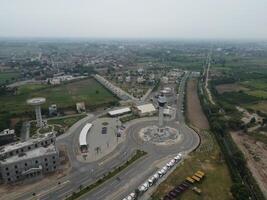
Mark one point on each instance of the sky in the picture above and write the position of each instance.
(182, 19)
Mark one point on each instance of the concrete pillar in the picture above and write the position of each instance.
(161, 117)
(38, 116)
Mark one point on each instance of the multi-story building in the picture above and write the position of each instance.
(29, 159)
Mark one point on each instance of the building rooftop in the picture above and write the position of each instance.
(17, 145)
(119, 111)
(146, 108)
(83, 134)
(7, 132)
(35, 153)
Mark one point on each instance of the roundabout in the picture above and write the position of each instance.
(165, 136)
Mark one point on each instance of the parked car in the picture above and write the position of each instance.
(133, 195)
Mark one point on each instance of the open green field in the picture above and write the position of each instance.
(255, 84)
(65, 96)
(6, 77)
(66, 122)
(261, 106)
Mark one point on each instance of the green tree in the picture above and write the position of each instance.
(239, 191)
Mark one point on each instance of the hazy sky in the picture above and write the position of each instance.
(134, 18)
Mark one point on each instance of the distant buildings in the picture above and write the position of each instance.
(114, 89)
(165, 79)
(63, 78)
(29, 159)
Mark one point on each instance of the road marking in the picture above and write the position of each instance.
(108, 159)
(52, 188)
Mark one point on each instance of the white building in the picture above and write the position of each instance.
(165, 79)
(145, 110)
(120, 111)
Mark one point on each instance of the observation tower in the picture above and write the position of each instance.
(37, 102)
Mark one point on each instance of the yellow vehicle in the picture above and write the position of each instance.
(196, 178)
(199, 175)
(200, 172)
(190, 180)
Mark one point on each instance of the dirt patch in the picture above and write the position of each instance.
(232, 87)
(256, 155)
(194, 110)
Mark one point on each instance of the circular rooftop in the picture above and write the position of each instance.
(36, 101)
(162, 99)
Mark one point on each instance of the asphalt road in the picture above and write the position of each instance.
(83, 174)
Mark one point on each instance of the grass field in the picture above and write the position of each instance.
(65, 96)
(261, 106)
(7, 76)
(257, 93)
(66, 122)
(255, 84)
(216, 184)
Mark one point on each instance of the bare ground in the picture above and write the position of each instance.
(255, 153)
(194, 110)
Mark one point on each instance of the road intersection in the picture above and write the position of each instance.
(83, 174)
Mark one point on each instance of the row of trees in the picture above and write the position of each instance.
(244, 185)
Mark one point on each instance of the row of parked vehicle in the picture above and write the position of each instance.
(186, 184)
(154, 178)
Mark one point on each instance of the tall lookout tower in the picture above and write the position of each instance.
(161, 101)
(37, 102)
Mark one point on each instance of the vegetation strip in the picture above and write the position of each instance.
(245, 186)
(138, 154)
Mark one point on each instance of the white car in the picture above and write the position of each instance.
(146, 184)
(151, 181)
(160, 173)
(133, 195)
(163, 171)
(156, 176)
(129, 198)
(171, 164)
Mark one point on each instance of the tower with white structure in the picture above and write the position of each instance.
(162, 102)
(37, 102)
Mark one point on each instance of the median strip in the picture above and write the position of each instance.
(138, 154)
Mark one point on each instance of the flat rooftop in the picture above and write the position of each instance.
(35, 153)
(17, 145)
(146, 108)
(119, 111)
